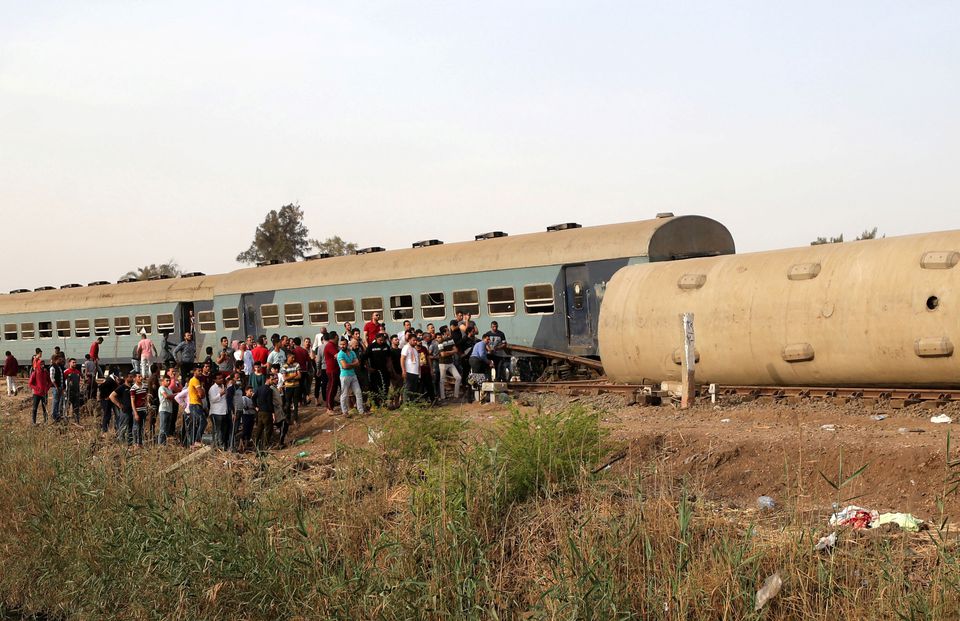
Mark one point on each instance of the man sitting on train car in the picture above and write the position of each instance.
(10, 369)
(185, 355)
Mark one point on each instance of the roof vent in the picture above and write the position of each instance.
(20, 291)
(563, 227)
(665, 214)
(270, 262)
(319, 255)
(192, 274)
(72, 285)
(160, 277)
(126, 280)
(427, 243)
(97, 283)
(490, 235)
(47, 288)
(370, 250)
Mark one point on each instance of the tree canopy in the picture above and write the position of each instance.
(170, 268)
(281, 236)
(334, 246)
(867, 234)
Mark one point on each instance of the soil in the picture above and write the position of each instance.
(730, 453)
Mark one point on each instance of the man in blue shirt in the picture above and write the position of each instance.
(479, 360)
(349, 363)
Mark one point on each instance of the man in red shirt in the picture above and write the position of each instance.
(330, 351)
(260, 352)
(95, 351)
(370, 329)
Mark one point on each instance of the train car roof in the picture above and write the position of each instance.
(661, 239)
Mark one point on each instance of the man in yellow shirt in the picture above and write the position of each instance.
(195, 415)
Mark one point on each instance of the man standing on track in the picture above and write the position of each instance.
(185, 354)
(146, 352)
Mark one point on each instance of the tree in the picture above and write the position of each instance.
(334, 246)
(823, 240)
(867, 234)
(281, 237)
(170, 268)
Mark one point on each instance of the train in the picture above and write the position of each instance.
(544, 289)
(865, 313)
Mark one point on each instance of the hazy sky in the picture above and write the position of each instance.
(133, 132)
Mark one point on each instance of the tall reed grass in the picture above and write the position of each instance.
(433, 522)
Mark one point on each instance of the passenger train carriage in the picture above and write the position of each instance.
(544, 289)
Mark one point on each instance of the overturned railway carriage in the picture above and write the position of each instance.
(867, 313)
(544, 289)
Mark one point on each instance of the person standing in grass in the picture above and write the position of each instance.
(348, 362)
(10, 369)
(122, 399)
(166, 408)
(263, 402)
(195, 415)
(219, 412)
(40, 385)
(410, 356)
(139, 392)
(291, 373)
(248, 416)
(71, 388)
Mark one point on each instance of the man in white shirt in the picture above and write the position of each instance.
(410, 366)
(218, 413)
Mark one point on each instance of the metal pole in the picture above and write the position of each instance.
(689, 361)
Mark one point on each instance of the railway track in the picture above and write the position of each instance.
(642, 392)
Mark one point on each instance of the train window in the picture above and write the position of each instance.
(432, 305)
(26, 331)
(101, 327)
(293, 313)
(401, 307)
(538, 299)
(466, 302)
(121, 326)
(231, 318)
(501, 301)
(318, 312)
(143, 322)
(270, 315)
(10, 331)
(45, 328)
(63, 328)
(81, 328)
(369, 306)
(344, 310)
(165, 323)
(207, 321)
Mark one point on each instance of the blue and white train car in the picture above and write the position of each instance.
(544, 290)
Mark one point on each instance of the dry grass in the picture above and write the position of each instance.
(428, 526)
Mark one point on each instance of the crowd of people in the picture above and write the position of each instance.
(250, 391)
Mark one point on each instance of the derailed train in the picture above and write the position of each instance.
(544, 289)
(866, 313)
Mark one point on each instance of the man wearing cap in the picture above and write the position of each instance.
(146, 351)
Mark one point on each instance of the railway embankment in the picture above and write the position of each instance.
(564, 507)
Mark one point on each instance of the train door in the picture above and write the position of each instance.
(577, 302)
(187, 319)
(249, 311)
